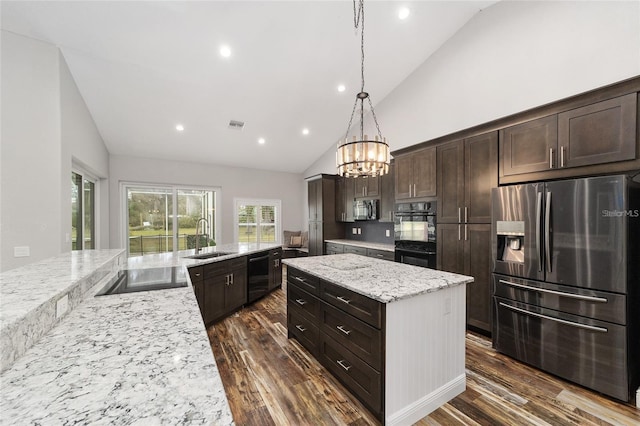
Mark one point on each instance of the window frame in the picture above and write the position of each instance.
(173, 189)
(85, 175)
(237, 202)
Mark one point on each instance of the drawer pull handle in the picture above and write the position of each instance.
(342, 299)
(301, 328)
(342, 364)
(344, 330)
(380, 255)
(299, 279)
(301, 302)
(197, 275)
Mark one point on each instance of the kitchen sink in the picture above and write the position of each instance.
(208, 255)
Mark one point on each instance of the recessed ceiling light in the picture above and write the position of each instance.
(305, 131)
(341, 88)
(179, 127)
(261, 141)
(403, 13)
(225, 51)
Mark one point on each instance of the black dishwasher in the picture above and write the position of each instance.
(258, 276)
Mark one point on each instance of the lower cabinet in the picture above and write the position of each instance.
(220, 287)
(275, 268)
(337, 248)
(343, 330)
(466, 249)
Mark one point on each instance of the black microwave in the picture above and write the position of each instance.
(365, 209)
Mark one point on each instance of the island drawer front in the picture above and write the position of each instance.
(303, 280)
(357, 336)
(355, 249)
(368, 310)
(303, 329)
(359, 377)
(307, 304)
(381, 254)
(196, 273)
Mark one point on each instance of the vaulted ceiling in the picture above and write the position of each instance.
(143, 67)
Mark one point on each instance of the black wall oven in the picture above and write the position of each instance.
(415, 233)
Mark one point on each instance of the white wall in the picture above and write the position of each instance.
(510, 57)
(234, 183)
(44, 124)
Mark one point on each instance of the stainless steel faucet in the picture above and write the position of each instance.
(202, 219)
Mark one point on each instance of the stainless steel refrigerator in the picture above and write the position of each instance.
(566, 287)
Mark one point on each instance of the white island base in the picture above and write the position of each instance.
(425, 353)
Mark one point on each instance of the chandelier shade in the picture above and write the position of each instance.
(362, 157)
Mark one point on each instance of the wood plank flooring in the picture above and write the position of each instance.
(270, 380)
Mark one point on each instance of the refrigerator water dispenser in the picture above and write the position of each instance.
(510, 236)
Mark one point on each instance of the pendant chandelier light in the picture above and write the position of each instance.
(362, 157)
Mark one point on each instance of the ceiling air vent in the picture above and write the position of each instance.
(236, 125)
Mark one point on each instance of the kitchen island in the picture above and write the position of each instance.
(392, 333)
(133, 358)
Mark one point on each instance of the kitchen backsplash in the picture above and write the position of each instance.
(374, 232)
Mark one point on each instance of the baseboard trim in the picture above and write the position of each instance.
(425, 405)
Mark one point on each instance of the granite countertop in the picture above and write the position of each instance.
(141, 358)
(378, 279)
(366, 244)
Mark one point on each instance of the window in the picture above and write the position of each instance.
(257, 221)
(83, 211)
(164, 218)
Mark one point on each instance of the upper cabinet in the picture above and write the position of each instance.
(467, 170)
(345, 194)
(367, 187)
(321, 191)
(415, 174)
(387, 198)
(599, 133)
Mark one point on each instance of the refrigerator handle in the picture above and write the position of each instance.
(538, 229)
(547, 232)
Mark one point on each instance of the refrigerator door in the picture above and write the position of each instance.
(586, 233)
(516, 230)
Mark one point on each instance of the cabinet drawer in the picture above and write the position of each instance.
(333, 248)
(303, 280)
(355, 335)
(362, 307)
(237, 263)
(215, 269)
(381, 254)
(196, 274)
(303, 329)
(355, 249)
(359, 377)
(307, 304)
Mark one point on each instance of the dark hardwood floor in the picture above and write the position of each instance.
(270, 380)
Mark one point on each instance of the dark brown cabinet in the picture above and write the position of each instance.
(344, 330)
(220, 287)
(367, 187)
(387, 195)
(467, 170)
(345, 194)
(465, 249)
(598, 133)
(322, 209)
(415, 174)
(275, 268)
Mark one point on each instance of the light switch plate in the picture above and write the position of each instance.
(359, 231)
(354, 231)
(387, 233)
(22, 251)
(62, 306)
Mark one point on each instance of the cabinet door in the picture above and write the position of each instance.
(477, 263)
(198, 291)
(316, 241)
(480, 175)
(450, 250)
(373, 186)
(340, 199)
(403, 177)
(529, 147)
(600, 133)
(275, 268)
(387, 198)
(236, 290)
(213, 297)
(451, 182)
(424, 173)
(315, 199)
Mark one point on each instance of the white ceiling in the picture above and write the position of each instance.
(144, 66)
